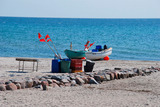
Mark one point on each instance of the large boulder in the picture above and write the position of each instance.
(11, 86)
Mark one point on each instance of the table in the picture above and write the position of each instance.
(22, 68)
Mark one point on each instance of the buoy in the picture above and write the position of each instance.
(106, 58)
(83, 58)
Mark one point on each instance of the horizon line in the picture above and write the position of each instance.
(73, 17)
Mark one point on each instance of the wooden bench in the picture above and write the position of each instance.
(21, 68)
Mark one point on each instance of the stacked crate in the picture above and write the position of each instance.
(76, 65)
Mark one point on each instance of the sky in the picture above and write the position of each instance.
(81, 8)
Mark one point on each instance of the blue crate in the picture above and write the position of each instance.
(98, 47)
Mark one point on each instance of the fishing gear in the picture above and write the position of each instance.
(46, 40)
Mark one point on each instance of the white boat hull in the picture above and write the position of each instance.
(98, 55)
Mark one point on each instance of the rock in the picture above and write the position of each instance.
(147, 71)
(79, 81)
(29, 83)
(23, 85)
(117, 68)
(49, 81)
(64, 81)
(73, 83)
(111, 75)
(56, 77)
(18, 86)
(98, 78)
(85, 79)
(55, 85)
(55, 81)
(36, 83)
(8, 82)
(115, 75)
(45, 85)
(11, 86)
(2, 87)
(92, 81)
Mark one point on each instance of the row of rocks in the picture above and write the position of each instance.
(74, 79)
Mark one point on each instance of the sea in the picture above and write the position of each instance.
(131, 39)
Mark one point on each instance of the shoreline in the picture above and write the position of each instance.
(9, 66)
(137, 91)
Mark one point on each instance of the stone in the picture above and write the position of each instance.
(108, 77)
(85, 79)
(49, 81)
(92, 81)
(55, 85)
(11, 86)
(29, 83)
(23, 85)
(56, 77)
(2, 87)
(18, 86)
(73, 83)
(115, 75)
(45, 85)
(98, 78)
(55, 81)
(117, 68)
(36, 82)
(64, 81)
(111, 75)
(79, 81)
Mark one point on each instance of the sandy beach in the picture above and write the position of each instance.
(138, 91)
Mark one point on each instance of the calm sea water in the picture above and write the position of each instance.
(131, 39)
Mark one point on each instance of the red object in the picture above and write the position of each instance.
(86, 44)
(47, 36)
(91, 44)
(39, 35)
(48, 40)
(76, 63)
(83, 58)
(106, 58)
(42, 40)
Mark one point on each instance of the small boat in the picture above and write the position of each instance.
(74, 54)
(98, 55)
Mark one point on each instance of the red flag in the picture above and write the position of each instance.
(39, 35)
(42, 40)
(87, 44)
(47, 36)
(91, 44)
(48, 40)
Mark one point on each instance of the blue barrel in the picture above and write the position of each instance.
(94, 50)
(56, 66)
(98, 47)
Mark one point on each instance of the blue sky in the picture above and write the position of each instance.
(81, 8)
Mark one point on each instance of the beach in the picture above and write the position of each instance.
(138, 91)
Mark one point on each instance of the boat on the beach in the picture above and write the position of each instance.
(99, 54)
(74, 54)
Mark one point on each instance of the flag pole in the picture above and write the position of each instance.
(56, 49)
(51, 49)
